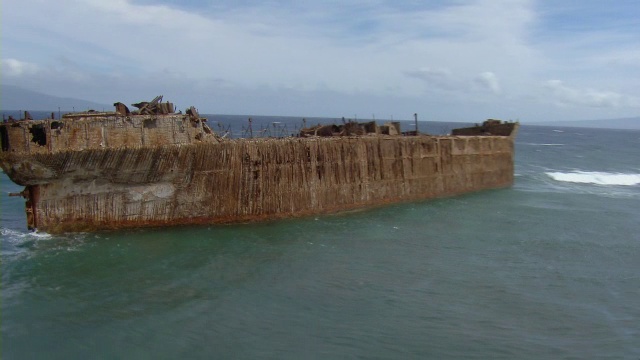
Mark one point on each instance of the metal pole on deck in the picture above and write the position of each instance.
(415, 116)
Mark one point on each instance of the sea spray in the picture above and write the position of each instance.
(598, 178)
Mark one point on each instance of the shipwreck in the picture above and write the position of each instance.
(154, 167)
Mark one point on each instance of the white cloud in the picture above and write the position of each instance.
(268, 45)
(17, 68)
(489, 81)
(565, 95)
(441, 79)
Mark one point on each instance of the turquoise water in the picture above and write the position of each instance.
(549, 268)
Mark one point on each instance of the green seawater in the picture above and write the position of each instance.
(549, 268)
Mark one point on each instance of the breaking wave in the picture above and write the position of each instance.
(598, 178)
(19, 235)
(16, 243)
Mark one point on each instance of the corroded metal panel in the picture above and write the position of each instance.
(110, 171)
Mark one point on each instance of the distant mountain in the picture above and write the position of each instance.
(17, 98)
(625, 123)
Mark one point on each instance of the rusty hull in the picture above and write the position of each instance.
(490, 127)
(111, 171)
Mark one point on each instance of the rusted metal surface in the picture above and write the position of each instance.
(352, 128)
(154, 107)
(489, 127)
(111, 171)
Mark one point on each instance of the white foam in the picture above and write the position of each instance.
(14, 235)
(598, 178)
(538, 144)
(40, 235)
(10, 233)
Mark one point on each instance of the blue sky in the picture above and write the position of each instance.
(460, 60)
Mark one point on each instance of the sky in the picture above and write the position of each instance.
(456, 60)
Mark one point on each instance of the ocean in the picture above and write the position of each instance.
(549, 268)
